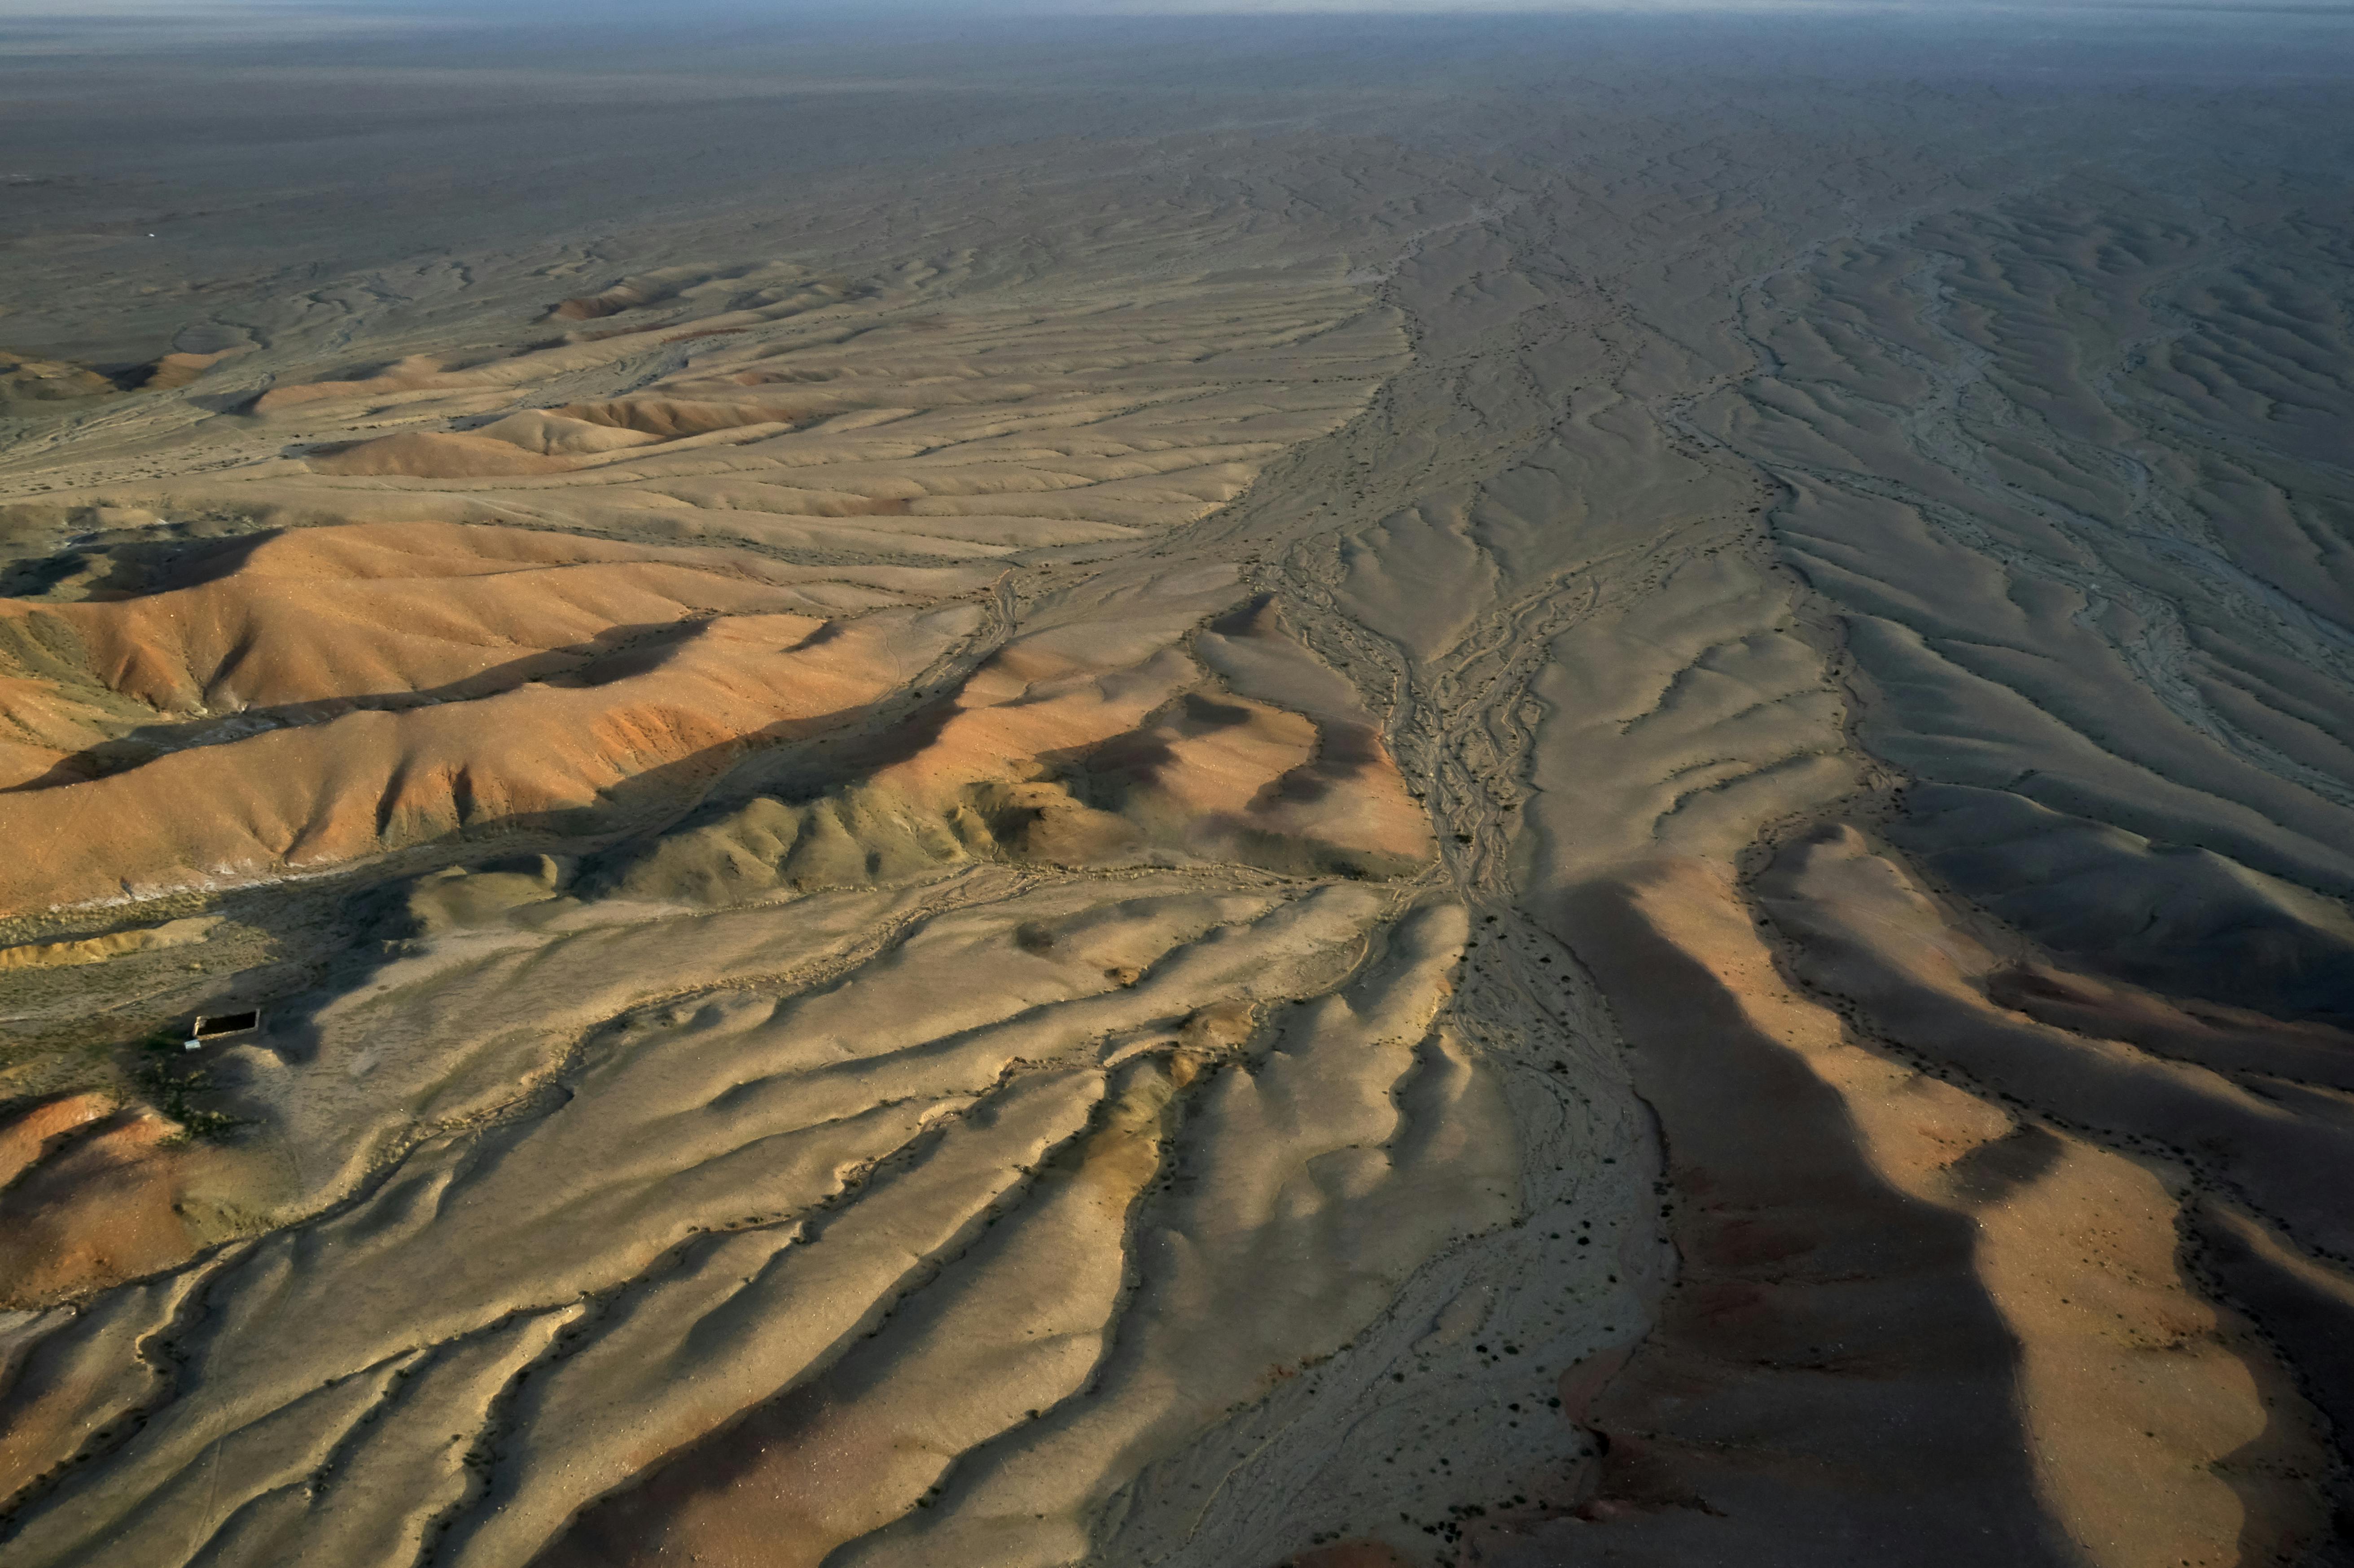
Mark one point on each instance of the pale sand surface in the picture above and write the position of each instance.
(1517, 796)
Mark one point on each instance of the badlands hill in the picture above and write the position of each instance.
(1600, 833)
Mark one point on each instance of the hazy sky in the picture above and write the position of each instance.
(200, 11)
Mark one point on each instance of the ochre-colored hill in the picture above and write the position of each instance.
(674, 712)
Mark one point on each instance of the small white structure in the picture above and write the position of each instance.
(219, 1026)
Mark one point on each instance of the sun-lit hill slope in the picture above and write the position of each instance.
(406, 649)
(241, 633)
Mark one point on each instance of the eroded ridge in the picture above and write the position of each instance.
(918, 967)
(1630, 853)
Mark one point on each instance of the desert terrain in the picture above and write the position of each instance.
(1521, 791)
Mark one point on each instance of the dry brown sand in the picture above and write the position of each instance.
(1575, 837)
